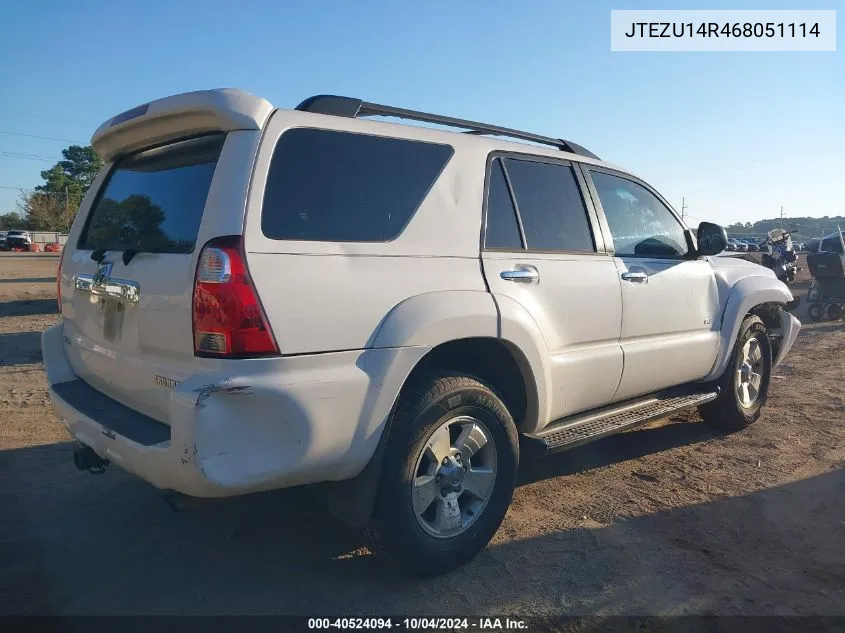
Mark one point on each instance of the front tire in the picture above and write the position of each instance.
(745, 384)
(448, 477)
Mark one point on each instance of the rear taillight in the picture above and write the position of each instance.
(59, 279)
(228, 318)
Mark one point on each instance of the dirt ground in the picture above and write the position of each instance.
(669, 519)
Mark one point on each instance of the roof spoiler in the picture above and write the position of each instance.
(354, 108)
(180, 116)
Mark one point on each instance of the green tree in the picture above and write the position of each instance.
(13, 220)
(53, 205)
(47, 212)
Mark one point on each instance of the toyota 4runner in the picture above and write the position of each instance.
(256, 298)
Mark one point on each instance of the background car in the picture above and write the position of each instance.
(18, 239)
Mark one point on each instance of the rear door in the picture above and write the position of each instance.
(543, 249)
(127, 280)
(670, 303)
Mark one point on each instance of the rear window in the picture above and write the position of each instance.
(153, 200)
(333, 186)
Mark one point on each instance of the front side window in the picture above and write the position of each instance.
(330, 186)
(550, 206)
(640, 224)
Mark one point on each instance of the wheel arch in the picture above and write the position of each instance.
(762, 296)
(464, 331)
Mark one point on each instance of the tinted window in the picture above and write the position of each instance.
(342, 187)
(831, 245)
(153, 201)
(502, 229)
(639, 222)
(550, 206)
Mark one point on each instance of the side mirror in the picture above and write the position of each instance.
(712, 239)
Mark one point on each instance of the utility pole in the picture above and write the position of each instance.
(683, 206)
(66, 222)
(781, 218)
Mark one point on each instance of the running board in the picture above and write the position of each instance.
(585, 427)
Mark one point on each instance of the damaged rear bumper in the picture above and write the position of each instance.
(269, 423)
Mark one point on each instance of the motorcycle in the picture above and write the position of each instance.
(779, 255)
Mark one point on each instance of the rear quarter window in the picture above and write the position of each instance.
(153, 201)
(332, 186)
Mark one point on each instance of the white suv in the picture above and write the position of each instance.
(256, 298)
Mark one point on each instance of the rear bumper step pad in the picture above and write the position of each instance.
(113, 416)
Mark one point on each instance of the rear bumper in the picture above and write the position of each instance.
(260, 424)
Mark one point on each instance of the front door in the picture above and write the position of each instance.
(669, 301)
(543, 250)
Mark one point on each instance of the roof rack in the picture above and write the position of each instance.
(354, 108)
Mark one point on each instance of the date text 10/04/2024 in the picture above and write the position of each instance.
(421, 623)
(715, 29)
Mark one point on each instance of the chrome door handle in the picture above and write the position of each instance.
(520, 273)
(639, 278)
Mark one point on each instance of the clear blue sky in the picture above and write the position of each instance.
(738, 134)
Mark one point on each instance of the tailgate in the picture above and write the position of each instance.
(127, 308)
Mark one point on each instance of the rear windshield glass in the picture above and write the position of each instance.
(153, 201)
(343, 187)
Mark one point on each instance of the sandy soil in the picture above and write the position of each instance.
(669, 519)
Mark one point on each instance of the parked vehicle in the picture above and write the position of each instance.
(398, 312)
(2, 240)
(826, 296)
(18, 239)
(831, 244)
(780, 255)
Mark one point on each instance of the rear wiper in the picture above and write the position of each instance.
(128, 254)
(98, 255)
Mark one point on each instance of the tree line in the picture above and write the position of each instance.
(805, 228)
(52, 206)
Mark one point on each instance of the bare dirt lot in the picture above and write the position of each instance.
(670, 519)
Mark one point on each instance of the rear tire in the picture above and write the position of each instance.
(745, 384)
(448, 476)
(834, 312)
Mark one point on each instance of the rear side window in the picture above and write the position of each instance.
(502, 229)
(153, 201)
(550, 206)
(331, 186)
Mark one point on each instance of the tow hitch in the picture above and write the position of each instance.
(84, 458)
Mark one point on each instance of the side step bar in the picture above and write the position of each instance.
(581, 428)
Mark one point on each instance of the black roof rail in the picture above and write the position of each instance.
(354, 108)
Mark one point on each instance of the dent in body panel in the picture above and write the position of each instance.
(224, 387)
(296, 420)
